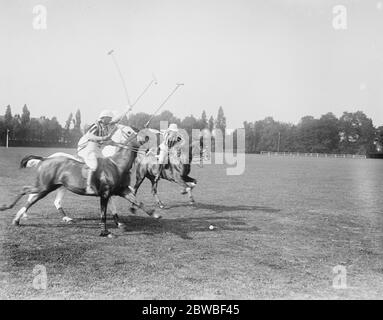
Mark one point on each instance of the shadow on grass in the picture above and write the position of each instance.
(19, 256)
(218, 208)
(182, 227)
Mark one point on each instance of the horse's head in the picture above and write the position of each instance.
(149, 137)
(127, 143)
(123, 135)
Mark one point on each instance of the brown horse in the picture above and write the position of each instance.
(176, 170)
(112, 178)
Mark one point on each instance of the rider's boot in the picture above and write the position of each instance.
(89, 188)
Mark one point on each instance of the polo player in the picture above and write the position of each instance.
(171, 137)
(90, 145)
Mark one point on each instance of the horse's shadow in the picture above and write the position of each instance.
(227, 220)
(184, 226)
(218, 208)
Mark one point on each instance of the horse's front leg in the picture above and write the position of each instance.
(155, 195)
(58, 201)
(104, 205)
(128, 194)
(113, 208)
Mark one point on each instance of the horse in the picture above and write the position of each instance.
(111, 178)
(176, 170)
(122, 132)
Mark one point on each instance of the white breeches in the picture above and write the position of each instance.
(90, 154)
(163, 153)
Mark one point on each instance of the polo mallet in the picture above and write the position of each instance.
(153, 81)
(163, 103)
(110, 53)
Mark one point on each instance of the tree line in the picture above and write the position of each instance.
(44, 132)
(352, 133)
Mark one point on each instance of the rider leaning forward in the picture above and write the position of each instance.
(171, 137)
(91, 143)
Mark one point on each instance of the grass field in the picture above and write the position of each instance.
(281, 228)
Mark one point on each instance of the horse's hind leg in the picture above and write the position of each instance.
(58, 200)
(25, 190)
(139, 179)
(187, 189)
(36, 196)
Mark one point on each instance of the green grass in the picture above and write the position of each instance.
(280, 229)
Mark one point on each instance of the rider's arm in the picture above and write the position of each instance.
(93, 134)
(94, 138)
(117, 118)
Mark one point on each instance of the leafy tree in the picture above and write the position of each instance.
(379, 139)
(77, 122)
(220, 122)
(211, 123)
(25, 116)
(75, 133)
(203, 123)
(8, 118)
(67, 135)
(356, 133)
(189, 123)
(138, 120)
(24, 124)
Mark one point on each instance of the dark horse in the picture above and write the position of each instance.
(111, 179)
(176, 170)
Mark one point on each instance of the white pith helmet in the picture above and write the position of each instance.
(106, 113)
(173, 127)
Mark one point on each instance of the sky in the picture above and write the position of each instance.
(256, 59)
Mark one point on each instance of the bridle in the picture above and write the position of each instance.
(128, 139)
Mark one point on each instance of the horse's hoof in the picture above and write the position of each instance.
(16, 222)
(120, 225)
(161, 205)
(105, 234)
(192, 202)
(156, 216)
(67, 220)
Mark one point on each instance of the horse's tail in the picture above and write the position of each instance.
(31, 161)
